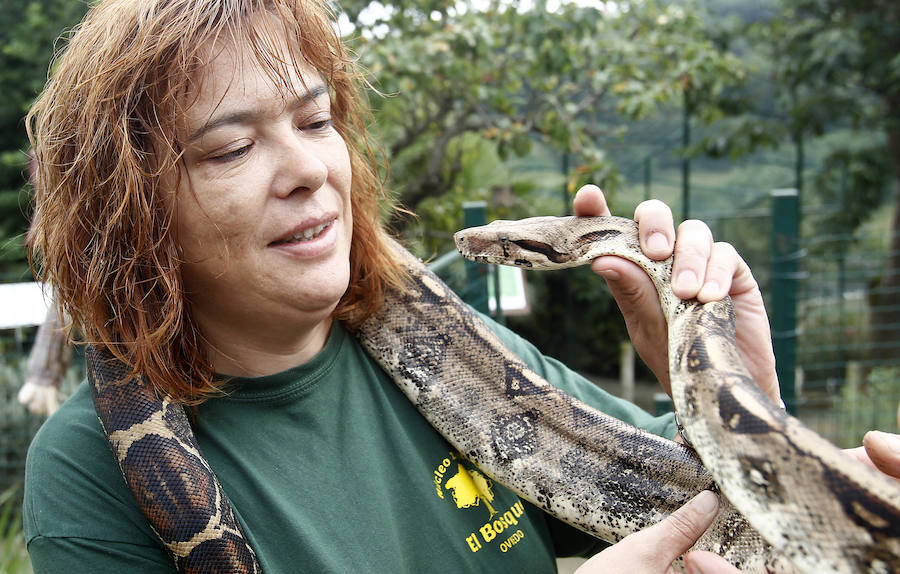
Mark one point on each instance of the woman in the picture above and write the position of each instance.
(211, 217)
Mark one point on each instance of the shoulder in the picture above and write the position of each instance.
(73, 487)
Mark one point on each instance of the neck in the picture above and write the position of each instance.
(266, 353)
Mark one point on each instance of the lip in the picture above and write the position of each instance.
(316, 246)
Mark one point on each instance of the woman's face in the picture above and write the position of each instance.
(263, 208)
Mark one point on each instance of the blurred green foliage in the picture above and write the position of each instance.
(28, 33)
(13, 556)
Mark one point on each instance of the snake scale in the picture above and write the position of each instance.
(799, 504)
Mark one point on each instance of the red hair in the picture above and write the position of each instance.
(104, 135)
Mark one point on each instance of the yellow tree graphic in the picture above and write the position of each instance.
(469, 488)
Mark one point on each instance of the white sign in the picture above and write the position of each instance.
(513, 294)
(23, 304)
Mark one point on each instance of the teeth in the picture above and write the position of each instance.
(309, 233)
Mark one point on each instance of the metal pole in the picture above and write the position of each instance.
(685, 160)
(474, 214)
(498, 308)
(647, 176)
(567, 282)
(842, 271)
(800, 164)
(785, 274)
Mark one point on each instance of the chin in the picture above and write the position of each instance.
(327, 292)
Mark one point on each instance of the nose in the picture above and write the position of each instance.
(302, 166)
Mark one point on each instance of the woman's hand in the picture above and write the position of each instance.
(652, 550)
(702, 268)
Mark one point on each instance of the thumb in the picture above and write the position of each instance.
(626, 279)
(676, 534)
(883, 449)
(652, 550)
(639, 303)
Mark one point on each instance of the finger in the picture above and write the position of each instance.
(637, 299)
(673, 536)
(684, 526)
(884, 451)
(721, 267)
(693, 247)
(589, 200)
(652, 550)
(860, 454)
(752, 331)
(702, 562)
(656, 229)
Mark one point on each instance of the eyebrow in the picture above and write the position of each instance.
(249, 115)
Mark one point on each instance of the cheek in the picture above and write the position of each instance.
(205, 228)
(215, 204)
(340, 167)
(192, 223)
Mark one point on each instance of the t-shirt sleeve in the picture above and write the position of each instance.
(85, 556)
(78, 513)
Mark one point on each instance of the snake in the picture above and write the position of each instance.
(792, 501)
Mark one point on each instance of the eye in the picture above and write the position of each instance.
(233, 154)
(318, 125)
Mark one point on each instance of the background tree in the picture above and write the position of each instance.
(837, 62)
(517, 78)
(474, 98)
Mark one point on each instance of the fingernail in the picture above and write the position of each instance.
(687, 279)
(657, 242)
(693, 568)
(706, 502)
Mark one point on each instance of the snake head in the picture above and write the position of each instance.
(537, 242)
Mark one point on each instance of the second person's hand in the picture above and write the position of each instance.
(702, 268)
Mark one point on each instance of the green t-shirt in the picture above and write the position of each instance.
(330, 469)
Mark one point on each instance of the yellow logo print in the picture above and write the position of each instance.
(470, 488)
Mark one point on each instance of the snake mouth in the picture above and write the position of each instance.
(543, 249)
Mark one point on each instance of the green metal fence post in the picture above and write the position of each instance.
(498, 308)
(474, 214)
(647, 177)
(785, 263)
(569, 310)
(685, 159)
(842, 269)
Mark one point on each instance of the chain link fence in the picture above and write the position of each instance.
(848, 370)
(846, 378)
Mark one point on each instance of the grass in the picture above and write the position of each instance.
(13, 556)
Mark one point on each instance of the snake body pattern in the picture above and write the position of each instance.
(799, 503)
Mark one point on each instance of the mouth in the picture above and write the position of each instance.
(305, 234)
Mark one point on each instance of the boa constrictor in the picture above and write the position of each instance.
(798, 501)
